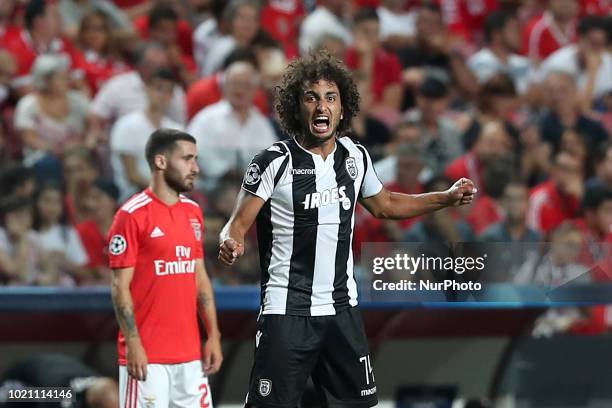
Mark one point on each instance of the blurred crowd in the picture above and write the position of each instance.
(514, 94)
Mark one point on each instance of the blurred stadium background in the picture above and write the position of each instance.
(515, 94)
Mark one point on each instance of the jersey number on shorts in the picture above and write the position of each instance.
(368, 368)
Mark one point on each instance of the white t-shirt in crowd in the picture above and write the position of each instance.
(403, 24)
(34, 252)
(129, 136)
(126, 93)
(566, 60)
(64, 239)
(318, 24)
(485, 64)
(224, 143)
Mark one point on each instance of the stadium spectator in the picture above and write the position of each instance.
(40, 35)
(231, 131)
(74, 11)
(440, 136)
(565, 113)
(603, 166)
(80, 168)
(102, 199)
(367, 129)
(241, 19)
(405, 132)
(163, 29)
(397, 25)
(57, 237)
(596, 226)
(442, 226)
(494, 143)
(589, 61)
(496, 101)
(503, 39)
(100, 57)
(562, 264)
(557, 199)
(487, 208)
(22, 261)
(325, 20)
(17, 180)
(332, 44)
(183, 32)
(513, 227)
(52, 118)
(207, 33)
(126, 92)
(466, 19)
(282, 19)
(553, 29)
(130, 134)
(433, 51)
(208, 90)
(6, 13)
(379, 67)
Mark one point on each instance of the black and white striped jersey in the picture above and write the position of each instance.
(305, 228)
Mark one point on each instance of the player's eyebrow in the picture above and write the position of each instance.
(189, 156)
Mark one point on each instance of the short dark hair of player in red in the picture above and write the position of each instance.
(163, 141)
(310, 69)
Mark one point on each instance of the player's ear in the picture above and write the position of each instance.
(161, 162)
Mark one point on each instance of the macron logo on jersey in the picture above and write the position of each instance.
(327, 197)
(156, 233)
(178, 266)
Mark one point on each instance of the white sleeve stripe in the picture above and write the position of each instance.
(137, 206)
(134, 200)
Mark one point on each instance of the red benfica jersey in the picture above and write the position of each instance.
(162, 243)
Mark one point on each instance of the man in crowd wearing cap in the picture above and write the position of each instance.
(101, 198)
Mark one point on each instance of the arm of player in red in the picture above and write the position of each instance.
(212, 356)
(392, 205)
(231, 239)
(124, 311)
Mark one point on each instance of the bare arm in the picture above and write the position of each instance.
(232, 236)
(391, 205)
(208, 313)
(124, 312)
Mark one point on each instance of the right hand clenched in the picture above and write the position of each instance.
(136, 360)
(230, 250)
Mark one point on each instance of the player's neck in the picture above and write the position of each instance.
(163, 192)
(321, 147)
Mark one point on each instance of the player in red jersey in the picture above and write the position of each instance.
(160, 284)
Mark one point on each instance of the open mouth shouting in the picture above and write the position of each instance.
(320, 124)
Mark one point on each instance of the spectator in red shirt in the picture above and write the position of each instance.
(40, 35)
(281, 19)
(95, 39)
(554, 29)
(557, 199)
(379, 67)
(493, 144)
(163, 29)
(208, 90)
(465, 18)
(101, 199)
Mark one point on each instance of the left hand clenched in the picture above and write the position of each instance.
(212, 356)
(462, 192)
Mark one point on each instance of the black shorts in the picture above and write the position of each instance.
(331, 349)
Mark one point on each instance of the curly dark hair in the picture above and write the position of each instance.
(317, 65)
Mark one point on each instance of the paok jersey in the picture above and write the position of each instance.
(162, 243)
(305, 228)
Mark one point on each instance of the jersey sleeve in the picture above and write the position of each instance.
(123, 241)
(371, 185)
(262, 174)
